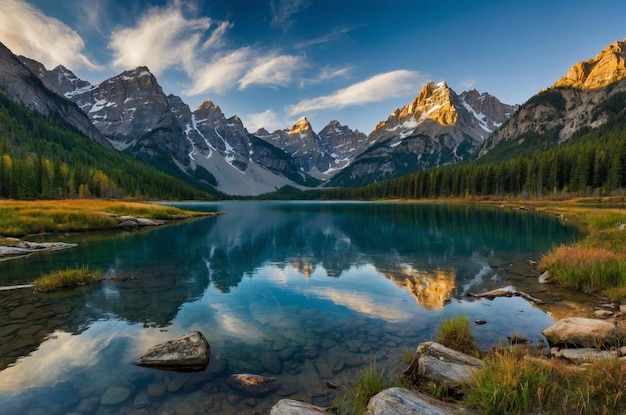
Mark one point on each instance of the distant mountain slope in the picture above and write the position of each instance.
(320, 155)
(134, 114)
(22, 86)
(439, 127)
(131, 113)
(585, 98)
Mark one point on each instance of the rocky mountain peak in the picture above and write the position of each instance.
(208, 104)
(436, 101)
(302, 126)
(605, 68)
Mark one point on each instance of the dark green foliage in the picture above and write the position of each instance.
(43, 158)
(202, 174)
(592, 162)
(551, 97)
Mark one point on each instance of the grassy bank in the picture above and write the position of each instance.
(597, 262)
(18, 218)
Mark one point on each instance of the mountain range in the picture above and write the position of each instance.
(131, 114)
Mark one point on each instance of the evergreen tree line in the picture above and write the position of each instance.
(42, 158)
(592, 163)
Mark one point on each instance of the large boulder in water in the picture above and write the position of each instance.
(581, 332)
(187, 353)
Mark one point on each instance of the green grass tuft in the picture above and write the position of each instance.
(369, 381)
(67, 278)
(456, 334)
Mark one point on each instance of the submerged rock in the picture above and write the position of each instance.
(252, 384)
(117, 394)
(187, 353)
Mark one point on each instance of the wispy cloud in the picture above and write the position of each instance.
(222, 73)
(163, 38)
(267, 119)
(377, 88)
(277, 70)
(27, 31)
(167, 38)
(469, 83)
(284, 10)
(326, 74)
(329, 37)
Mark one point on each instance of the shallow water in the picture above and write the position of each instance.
(305, 292)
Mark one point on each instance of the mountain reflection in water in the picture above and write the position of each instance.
(318, 289)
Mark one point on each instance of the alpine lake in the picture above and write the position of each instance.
(306, 292)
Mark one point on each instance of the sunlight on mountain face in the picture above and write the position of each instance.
(431, 289)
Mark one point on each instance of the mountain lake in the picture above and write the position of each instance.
(306, 292)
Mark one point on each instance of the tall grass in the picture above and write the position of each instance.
(596, 263)
(456, 334)
(513, 384)
(369, 381)
(66, 278)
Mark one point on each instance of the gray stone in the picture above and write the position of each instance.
(128, 224)
(190, 352)
(292, 407)
(444, 366)
(400, 401)
(156, 390)
(581, 332)
(117, 394)
(602, 313)
(146, 222)
(586, 355)
(271, 362)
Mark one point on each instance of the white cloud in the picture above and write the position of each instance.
(330, 73)
(329, 37)
(469, 83)
(164, 38)
(266, 119)
(272, 70)
(27, 31)
(377, 88)
(283, 10)
(222, 73)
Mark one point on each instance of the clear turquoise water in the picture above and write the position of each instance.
(304, 292)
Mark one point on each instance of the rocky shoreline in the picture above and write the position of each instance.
(12, 248)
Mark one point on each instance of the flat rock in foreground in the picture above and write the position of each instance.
(401, 401)
(581, 332)
(187, 353)
(292, 407)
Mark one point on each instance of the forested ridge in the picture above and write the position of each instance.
(591, 163)
(41, 157)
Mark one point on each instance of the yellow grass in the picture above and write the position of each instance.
(19, 218)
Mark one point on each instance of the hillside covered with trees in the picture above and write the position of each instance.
(45, 158)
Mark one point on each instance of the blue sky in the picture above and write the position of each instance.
(272, 61)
